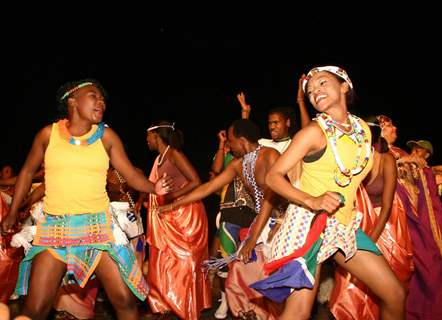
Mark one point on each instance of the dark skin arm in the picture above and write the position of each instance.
(218, 161)
(245, 108)
(389, 172)
(207, 188)
(185, 167)
(35, 196)
(307, 141)
(437, 169)
(121, 162)
(24, 180)
(305, 118)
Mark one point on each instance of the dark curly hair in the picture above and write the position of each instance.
(247, 129)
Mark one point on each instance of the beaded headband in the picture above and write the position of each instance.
(172, 126)
(81, 85)
(332, 69)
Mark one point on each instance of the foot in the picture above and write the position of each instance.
(223, 308)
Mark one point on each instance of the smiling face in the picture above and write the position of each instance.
(89, 102)
(325, 91)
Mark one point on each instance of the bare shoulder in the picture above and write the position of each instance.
(175, 156)
(270, 153)
(388, 159)
(235, 164)
(44, 134)
(109, 133)
(313, 128)
(110, 137)
(311, 136)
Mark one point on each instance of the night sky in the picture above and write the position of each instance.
(190, 73)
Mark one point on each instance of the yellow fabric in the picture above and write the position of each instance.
(75, 176)
(318, 176)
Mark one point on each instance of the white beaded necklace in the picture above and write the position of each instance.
(161, 156)
(359, 137)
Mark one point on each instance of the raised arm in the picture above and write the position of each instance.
(245, 108)
(218, 161)
(305, 118)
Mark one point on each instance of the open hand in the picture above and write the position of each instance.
(300, 93)
(242, 101)
(164, 185)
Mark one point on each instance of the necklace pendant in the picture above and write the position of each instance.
(77, 142)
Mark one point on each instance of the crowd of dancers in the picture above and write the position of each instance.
(335, 190)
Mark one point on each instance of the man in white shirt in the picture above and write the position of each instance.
(281, 128)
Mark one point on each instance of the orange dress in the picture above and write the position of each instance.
(10, 257)
(350, 299)
(178, 244)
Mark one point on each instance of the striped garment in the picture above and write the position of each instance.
(79, 241)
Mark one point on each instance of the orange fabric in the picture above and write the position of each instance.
(9, 259)
(350, 299)
(178, 242)
(241, 298)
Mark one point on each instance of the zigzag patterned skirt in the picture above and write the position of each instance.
(78, 241)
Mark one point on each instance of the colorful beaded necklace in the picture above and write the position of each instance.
(357, 135)
(64, 133)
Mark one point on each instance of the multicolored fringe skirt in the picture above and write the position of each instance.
(78, 241)
(304, 240)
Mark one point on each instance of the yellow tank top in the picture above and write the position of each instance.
(75, 176)
(318, 176)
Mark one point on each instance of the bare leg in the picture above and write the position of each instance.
(119, 294)
(374, 272)
(299, 304)
(44, 283)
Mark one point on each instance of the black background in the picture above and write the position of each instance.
(189, 68)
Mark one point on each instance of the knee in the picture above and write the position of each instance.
(396, 297)
(401, 295)
(304, 313)
(36, 311)
(300, 311)
(124, 301)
